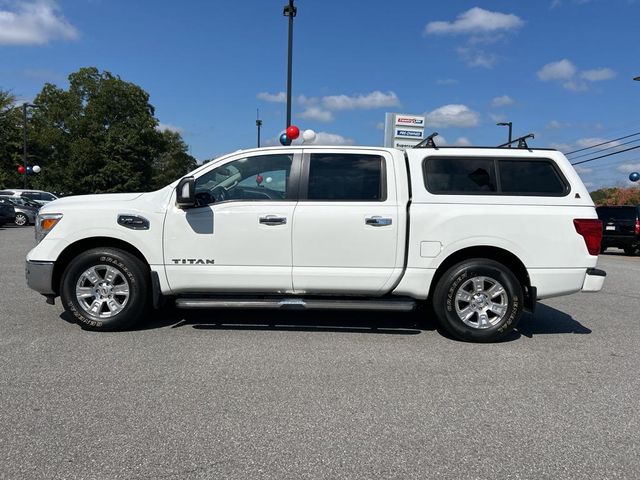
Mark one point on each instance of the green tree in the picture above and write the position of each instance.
(174, 161)
(98, 136)
(10, 141)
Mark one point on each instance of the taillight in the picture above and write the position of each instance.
(637, 227)
(591, 231)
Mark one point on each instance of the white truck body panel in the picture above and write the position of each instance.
(326, 247)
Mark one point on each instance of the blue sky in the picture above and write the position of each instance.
(562, 69)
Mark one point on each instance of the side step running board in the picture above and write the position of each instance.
(297, 304)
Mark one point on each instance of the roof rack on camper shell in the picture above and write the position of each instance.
(429, 142)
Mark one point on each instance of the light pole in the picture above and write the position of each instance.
(258, 124)
(25, 105)
(506, 124)
(289, 11)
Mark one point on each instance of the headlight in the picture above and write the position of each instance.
(45, 223)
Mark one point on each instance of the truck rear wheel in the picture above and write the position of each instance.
(478, 300)
(105, 289)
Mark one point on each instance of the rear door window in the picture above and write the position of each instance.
(616, 213)
(347, 177)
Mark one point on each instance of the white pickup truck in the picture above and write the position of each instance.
(481, 233)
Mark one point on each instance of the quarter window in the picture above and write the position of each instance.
(493, 176)
(460, 175)
(347, 177)
(530, 177)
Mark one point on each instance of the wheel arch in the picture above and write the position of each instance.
(500, 255)
(85, 244)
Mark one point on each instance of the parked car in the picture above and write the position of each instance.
(26, 210)
(37, 196)
(621, 227)
(480, 233)
(7, 212)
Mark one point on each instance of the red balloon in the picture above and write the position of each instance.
(21, 170)
(293, 132)
(259, 179)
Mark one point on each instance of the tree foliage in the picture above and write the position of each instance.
(100, 135)
(10, 139)
(616, 196)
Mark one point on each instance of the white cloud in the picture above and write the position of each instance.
(583, 170)
(592, 141)
(279, 97)
(502, 101)
(565, 72)
(325, 138)
(576, 86)
(306, 101)
(453, 115)
(380, 126)
(563, 147)
(463, 142)
(560, 70)
(316, 113)
(168, 127)
(598, 74)
(498, 117)
(628, 167)
(34, 23)
(556, 125)
(474, 57)
(371, 100)
(474, 21)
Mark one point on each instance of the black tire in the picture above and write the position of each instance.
(631, 251)
(457, 279)
(128, 269)
(603, 249)
(21, 219)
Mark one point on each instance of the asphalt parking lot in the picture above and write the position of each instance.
(252, 395)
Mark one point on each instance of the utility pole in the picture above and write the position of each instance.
(289, 11)
(258, 124)
(506, 124)
(24, 142)
(25, 105)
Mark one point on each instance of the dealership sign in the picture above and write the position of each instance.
(403, 130)
(404, 133)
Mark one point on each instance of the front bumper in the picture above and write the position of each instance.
(593, 280)
(40, 276)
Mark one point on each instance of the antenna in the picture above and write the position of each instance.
(258, 124)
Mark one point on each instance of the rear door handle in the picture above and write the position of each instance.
(377, 221)
(273, 220)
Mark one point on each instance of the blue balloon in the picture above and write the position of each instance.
(284, 140)
(29, 169)
(634, 177)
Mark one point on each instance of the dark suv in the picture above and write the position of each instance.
(7, 212)
(621, 228)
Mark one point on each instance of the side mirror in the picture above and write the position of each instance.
(186, 193)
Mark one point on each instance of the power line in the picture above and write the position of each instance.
(603, 143)
(605, 149)
(607, 155)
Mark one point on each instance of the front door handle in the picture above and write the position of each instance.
(377, 221)
(273, 220)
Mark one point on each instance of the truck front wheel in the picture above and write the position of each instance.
(478, 300)
(105, 289)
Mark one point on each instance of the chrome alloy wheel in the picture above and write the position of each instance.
(102, 291)
(481, 302)
(21, 219)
